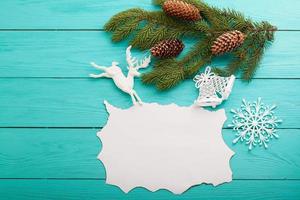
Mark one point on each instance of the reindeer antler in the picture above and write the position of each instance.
(144, 63)
(133, 61)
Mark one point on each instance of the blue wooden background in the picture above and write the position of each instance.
(50, 110)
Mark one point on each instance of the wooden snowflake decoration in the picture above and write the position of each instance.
(255, 123)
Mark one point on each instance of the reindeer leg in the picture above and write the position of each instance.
(99, 75)
(133, 99)
(97, 66)
(137, 97)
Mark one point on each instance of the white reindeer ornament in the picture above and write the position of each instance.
(124, 83)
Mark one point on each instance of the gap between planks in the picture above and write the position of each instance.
(93, 128)
(97, 179)
(87, 29)
(74, 78)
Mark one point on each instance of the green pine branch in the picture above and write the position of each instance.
(165, 77)
(147, 28)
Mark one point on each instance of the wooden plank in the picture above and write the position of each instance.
(50, 153)
(68, 54)
(93, 13)
(97, 189)
(79, 102)
(71, 153)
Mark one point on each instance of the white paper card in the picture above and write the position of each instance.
(164, 147)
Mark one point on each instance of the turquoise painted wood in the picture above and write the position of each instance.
(82, 15)
(71, 153)
(68, 54)
(50, 110)
(97, 189)
(36, 102)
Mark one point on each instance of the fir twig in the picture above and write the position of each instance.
(164, 77)
(254, 56)
(148, 28)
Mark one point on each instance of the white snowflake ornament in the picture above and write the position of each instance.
(255, 123)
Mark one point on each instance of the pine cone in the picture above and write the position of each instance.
(167, 48)
(227, 42)
(182, 10)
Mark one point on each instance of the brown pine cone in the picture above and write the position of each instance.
(167, 48)
(227, 42)
(182, 10)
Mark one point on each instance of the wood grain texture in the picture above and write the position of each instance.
(44, 83)
(96, 189)
(72, 154)
(80, 14)
(68, 54)
(79, 102)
